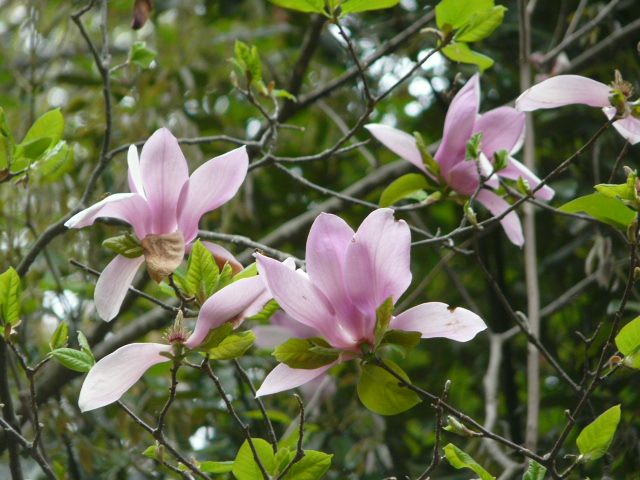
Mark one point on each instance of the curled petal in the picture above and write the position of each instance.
(628, 127)
(211, 185)
(399, 142)
(233, 303)
(435, 319)
(515, 170)
(117, 372)
(135, 175)
(284, 378)
(511, 223)
(129, 207)
(113, 284)
(564, 90)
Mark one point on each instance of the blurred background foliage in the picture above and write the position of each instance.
(45, 64)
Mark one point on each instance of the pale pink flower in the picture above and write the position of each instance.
(163, 200)
(503, 129)
(349, 275)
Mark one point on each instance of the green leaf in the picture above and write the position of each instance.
(54, 158)
(225, 278)
(460, 52)
(383, 318)
(202, 272)
(608, 210)
(233, 346)
(302, 5)
(628, 342)
(50, 125)
(74, 359)
(627, 191)
(403, 187)
(33, 149)
(354, 6)
(84, 345)
(267, 312)
(10, 293)
(459, 459)
(279, 93)
(312, 466)
(379, 390)
(126, 245)
(535, 472)
(248, 272)
(142, 55)
(283, 457)
(401, 341)
(216, 467)
(60, 336)
(456, 13)
(594, 440)
(215, 337)
(245, 466)
(301, 353)
(482, 25)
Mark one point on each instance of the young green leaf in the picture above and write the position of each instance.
(248, 272)
(594, 440)
(535, 472)
(628, 342)
(308, 6)
(50, 124)
(460, 52)
(459, 459)
(608, 210)
(312, 466)
(216, 467)
(225, 278)
(267, 312)
(215, 337)
(404, 187)
(126, 245)
(300, 353)
(401, 341)
(10, 293)
(74, 359)
(60, 336)
(482, 25)
(354, 6)
(142, 55)
(245, 466)
(383, 318)
(57, 156)
(233, 346)
(202, 272)
(380, 392)
(84, 345)
(455, 13)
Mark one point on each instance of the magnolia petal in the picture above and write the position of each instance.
(464, 178)
(510, 223)
(164, 171)
(211, 185)
(221, 255)
(283, 377)
(107, 381)
(628, 127)
(233, 303)
(377, 264)
(113, 284)
(399, 142)
(130, 207)
(163, 253)
(435, 319)
(458, 125)
(135, 174)
(503, 129)
(515, 170)
(564, 90)
(282, 328)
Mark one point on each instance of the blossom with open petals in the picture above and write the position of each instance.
(164, 208)
(503, 129)
(569, 89)
(349, 275)
(114, 374)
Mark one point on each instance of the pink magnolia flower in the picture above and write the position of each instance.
(114, 374)
(349, 275)
(503, 129)
(569, 89)
(164, 202)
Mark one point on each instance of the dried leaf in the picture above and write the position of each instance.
(163, 254)
(141, 13)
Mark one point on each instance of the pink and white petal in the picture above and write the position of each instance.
(399, 142)
(503, 129)
(270, 336)
(435, 319)
(130, 207)
(516, 169)
(283, 377)
(113, 285)
(458, 125)
(231, 304)
(377, 264)
(564, 90)
(135, 174)
(628, 127)
(117, 372)
(211, 185)
(164, 171)
(221, 256)
(510, 223)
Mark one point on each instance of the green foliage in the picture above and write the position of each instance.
(628, 342)
(77, 360)
(354, 6)
(311, 467)
(459, 459)
(202, 273)
(380, 392)
(481, 25)
(248, 63)
(10, 293)
(594, 440)
(308, 6)
(232, 346)
(457, 13)
(142, 55)
(606, 209)
(535, 471)
(215, 337)
(384, 314)
(245, 466)
(460, 52)
(60, 337)
(400, 341)
(126, 245)
(267, 312)
(308, 353)
(411, 185)
(248, 272)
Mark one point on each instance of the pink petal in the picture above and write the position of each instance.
(435, 319)
(282, 328)
(511, 223)
(628, 127)
(503, 129)
(117, 372)
(113, 284)
(233, 303)
(515, 169)
(164, 171)
(130, 207)
(221, 255)
(564, 90)
(377, 264)
(399, 142)
(464, 178)
(284, 378)
(458, 125)
(135, 175)
(211, 185)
